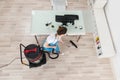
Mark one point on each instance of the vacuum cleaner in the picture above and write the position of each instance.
(35, 54)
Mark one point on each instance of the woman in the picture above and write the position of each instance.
(52, 40)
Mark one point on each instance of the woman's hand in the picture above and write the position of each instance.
(53, 47)
(47, 45)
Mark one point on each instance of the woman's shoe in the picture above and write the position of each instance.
(61, 53)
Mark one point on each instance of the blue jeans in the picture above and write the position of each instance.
(57, 49)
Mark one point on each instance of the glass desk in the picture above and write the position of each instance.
(41, 18)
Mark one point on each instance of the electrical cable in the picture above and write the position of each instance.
(5, 65)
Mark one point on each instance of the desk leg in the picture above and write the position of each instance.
(78, 38)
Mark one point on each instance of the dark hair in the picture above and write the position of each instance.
(61, 30)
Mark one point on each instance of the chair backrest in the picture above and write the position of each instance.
(59, 4)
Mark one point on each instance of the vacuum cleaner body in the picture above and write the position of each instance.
(35, 54)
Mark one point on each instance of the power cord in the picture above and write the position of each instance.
(5, 65)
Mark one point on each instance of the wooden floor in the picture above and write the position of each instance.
(76, 64)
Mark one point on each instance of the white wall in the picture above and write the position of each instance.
(113, 16)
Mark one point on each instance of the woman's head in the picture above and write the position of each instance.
(61, 30)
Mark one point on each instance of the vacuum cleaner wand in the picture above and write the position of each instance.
(37, 40)
(73, 43)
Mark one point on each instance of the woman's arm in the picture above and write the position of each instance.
(61, 41)
(47, 45)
